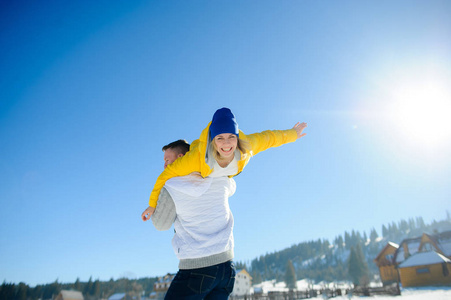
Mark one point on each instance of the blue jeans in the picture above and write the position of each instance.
(212, 283)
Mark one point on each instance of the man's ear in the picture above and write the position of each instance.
(179, 155)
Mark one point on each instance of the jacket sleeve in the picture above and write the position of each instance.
(270, 138)
(184, 165)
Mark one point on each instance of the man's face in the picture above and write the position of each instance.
(170, 156)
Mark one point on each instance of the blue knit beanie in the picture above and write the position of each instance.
(223, 122)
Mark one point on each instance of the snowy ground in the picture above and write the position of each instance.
(426, 293)
(430, 293)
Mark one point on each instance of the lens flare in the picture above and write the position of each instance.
(423, 113)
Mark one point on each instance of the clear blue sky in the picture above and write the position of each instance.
(91, 91)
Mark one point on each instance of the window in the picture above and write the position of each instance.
(427, 247)
(422, 270)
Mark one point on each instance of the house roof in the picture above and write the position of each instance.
(74, 295)
(424, 259)
(118, 296)
(394, 245)
(389, 244)
(166, 278)
(244, 272)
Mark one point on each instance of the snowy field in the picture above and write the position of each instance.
(430, 293)
(425, 293)
(406, 294)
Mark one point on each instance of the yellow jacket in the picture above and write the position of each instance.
(194, 159)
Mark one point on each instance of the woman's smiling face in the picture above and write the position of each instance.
(226, 144)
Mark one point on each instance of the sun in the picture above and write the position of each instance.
(422, 113)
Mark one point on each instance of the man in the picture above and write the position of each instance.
(174, 150)
(203, 223)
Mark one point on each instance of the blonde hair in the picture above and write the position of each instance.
(242, 145)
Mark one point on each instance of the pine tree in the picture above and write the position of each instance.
(403, 226)
(77, 285)
(95, 290)
(51, 290)
(7, 291)
(37, 292)
(358, 268)
(290, 276)
(354, 267)
(347, 240)
(393, 229)
(373, 235)
(88, 287)
(256, 277)
(22, 291)
(240, 265)
(354, 239)
(339, 242)
(362, 260)
(412, 226)
(384, 231)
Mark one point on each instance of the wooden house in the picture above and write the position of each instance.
(420, 261)
(243, 283)
(386, 265)
(161, 286)
(119, 296)
(69, 295)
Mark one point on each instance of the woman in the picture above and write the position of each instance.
(222, 150)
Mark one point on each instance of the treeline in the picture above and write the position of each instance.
(321, 260)
(92, 290)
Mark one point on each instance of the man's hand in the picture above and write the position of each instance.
(196, 174)
(299, 127)
(147, 213)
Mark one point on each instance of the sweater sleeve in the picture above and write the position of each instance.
(270, 138)
(165, 212)
(185, 165)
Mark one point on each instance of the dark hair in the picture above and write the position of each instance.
(179, 146)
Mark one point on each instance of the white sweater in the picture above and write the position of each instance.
(204, 222)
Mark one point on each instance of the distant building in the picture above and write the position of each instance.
(386, 265)
(69, 295)
(161, 286)
(243, 283)
(421, 261)
(118, 296)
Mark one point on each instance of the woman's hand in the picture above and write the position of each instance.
(147, 213)
(299, 127)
